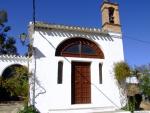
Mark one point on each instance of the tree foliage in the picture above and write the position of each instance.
(3, 17)
(144, 78)
(16, 84)
(121, 70)
(145, 85)
(7, 43)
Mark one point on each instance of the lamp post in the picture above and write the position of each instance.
(31, 51)
(27, 42)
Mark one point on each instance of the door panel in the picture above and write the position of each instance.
(81, 86)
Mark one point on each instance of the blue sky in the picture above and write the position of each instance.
(134, 16)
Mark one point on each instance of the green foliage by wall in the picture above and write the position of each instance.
(29, 109)
(121, 70)
(17, 84)
(145, 84)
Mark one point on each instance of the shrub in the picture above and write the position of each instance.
(16, 85)
(29, 109)
(145, 85)
(121, 70)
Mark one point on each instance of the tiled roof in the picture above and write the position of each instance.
(70, 28)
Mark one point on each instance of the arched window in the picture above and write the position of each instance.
(79, 47)
(111, 15)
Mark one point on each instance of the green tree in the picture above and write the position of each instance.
(17, 83)
(145, 85)
(144, 78)
(7, 43)
(20, 78)
(122, 71)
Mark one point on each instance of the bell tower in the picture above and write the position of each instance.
(110, 17)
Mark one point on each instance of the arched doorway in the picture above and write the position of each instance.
(80, 71)
(14, 83)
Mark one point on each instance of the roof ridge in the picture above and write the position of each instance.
(44, 25)
(67, 25)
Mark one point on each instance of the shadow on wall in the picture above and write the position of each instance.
(100, 36)
(5, 96)
(38, 53)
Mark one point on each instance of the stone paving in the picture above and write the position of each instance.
(119, 111)
(12, 107)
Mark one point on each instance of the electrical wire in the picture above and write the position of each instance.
(135, 39)
(34, 14)
(33, 51)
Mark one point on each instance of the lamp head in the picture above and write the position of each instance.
(23, 38)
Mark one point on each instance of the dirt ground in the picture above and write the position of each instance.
(145, 105)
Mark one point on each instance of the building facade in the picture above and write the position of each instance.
(74, 65)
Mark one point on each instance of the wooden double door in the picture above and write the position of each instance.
(81, 83)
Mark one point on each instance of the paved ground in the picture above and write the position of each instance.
(119, 111)
(12, 107)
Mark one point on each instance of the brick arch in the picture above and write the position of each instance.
(87, 48)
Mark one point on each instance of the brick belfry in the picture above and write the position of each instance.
(110, 17)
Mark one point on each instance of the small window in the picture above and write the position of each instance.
(100, 73)
(60, 72)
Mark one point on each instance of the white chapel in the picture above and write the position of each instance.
(74, 65)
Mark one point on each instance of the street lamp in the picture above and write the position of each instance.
(31, 51)
(23, 38)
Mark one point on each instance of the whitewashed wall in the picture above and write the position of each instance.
(56, 98)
